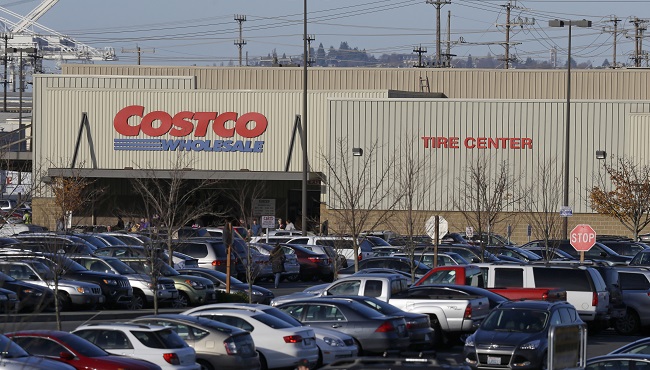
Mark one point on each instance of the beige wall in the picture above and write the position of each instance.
(596, 84)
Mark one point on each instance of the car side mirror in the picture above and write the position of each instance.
(66, 355)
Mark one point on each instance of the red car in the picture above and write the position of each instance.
(74, 350)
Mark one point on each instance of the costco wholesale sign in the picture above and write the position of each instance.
(188, 124)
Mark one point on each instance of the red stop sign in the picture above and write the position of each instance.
(583, 237)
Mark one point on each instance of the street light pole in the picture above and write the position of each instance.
(567, 132)
(305, 163)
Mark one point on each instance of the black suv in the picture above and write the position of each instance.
(598, 252)
(115, 288)
(515, 334)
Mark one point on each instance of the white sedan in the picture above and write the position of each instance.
(333, 344)
(279, 343)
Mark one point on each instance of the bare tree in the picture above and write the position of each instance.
(173, 201)
(623, 192)
(541, 201)
(361, 194)
(414, 180)
(242, 193)
(71, 194)
(484, 196)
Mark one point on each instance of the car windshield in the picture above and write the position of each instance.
(222, 276)
(282, 316)
(515, 320)
(119, 266)
(380, 306)
(9, 349)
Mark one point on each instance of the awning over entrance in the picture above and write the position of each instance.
(191, 174)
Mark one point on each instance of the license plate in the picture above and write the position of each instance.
(494, 360)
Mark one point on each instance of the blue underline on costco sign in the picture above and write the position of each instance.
(160, 145)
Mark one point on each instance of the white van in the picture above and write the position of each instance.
(343, 245)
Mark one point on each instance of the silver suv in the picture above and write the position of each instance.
(72, 294)
(143, 292)
(635, 284)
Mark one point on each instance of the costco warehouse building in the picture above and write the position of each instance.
(237, 124)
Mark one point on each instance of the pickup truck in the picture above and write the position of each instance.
(451, 317)
(472, 275)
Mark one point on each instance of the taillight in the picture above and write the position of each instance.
(385, 327)
(231, 346)
(216, 263)
(172, 358)
(292, 339)
(410, 325)
(594, 299)
(468, 312)
(360, 257)
(315, 259)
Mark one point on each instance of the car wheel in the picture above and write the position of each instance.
(65, 303)
(439, 339)
(138, 302)
(628, 324)
(319, 364)
(205, 365)
(182, 301)
(360, 350)
(263, 364)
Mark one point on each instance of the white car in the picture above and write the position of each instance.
(280, 344)
(153, 343)
(332, 344)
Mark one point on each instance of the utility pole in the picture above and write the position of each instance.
(448, 54)
(310, 59)
(639, 28)
(6, 36)
(614, 30)
(438, 4)
(419, 50)
(520, 22)
(139, 51)
(240, 42)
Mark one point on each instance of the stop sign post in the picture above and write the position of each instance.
(583, 237)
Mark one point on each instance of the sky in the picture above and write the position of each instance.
(203, 32)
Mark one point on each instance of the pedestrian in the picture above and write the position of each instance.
(290, 225)
(324, 230)
(256, 228)
(120, 223)
(60, 226)
(27, 217)
(303, 364)
(281, 224)
(277, 259)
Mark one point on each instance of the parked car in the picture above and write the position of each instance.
(515, 334)
(313, 266)
(212, 252)
(74, 350)
(640, 347)
(549, 254)
(279, 344)
(444, 259)
(31, 297)
(153, 343)
(618, 361)
(13, 357)
(453, 290)
(598, 252)
(513, 252)
(338, 259)
(642, 258)
(72, 294)
(291, 265)
(373, 331)
(116, 289)
(218, 278)
(419, 326)
(8, 301)
(625, 247)
(635, 285)
(235, 349)
(192, 290)
(332, 344)
(143, 288)
(181, 260)
(343, 245)
(51, 242)
(394, 263)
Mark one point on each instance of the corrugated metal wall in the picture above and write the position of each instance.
(619, 128)
(602, 84)
(60, 111)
